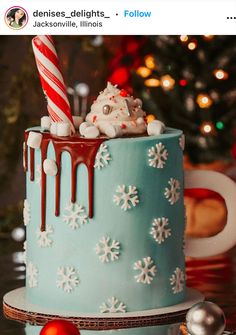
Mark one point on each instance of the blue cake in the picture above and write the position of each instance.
(105, 222)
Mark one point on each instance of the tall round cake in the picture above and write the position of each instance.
(105, 222)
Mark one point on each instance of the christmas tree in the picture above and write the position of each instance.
(189, 83)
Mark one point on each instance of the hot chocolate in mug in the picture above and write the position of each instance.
(131, 251)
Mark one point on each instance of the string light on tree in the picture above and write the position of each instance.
(207, 128)
(192, 45)
(152, 82)
(183, 82)
(208, 37)
(150, 118)
(221, 74)
(150, 62)
(204, 100)
(183, 38)
(220, 125)
(167, 82)
(143, 71)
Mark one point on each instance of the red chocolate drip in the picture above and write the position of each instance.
(25, 153)
(58, 183)
(81, 150)
(44, 148)
(31, 164)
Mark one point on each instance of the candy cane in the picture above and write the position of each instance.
(52, 80)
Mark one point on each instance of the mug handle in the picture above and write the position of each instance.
(226, 239)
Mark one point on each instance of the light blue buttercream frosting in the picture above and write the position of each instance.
(119, 260)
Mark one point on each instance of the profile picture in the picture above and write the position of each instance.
(16, 18)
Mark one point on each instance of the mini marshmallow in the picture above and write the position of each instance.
(34, 140)
(63, 129)
(83, 126)
(155, 128)
(113, 131)
(140, 120)
(53, 128)
(77, 121)
(45, 123)
(91, 132)
(50, 167)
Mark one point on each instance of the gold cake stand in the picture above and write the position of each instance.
(16, 307)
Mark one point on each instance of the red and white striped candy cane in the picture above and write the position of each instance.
(52, 80)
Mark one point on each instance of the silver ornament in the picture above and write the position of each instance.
(106, 109)
(205, 318)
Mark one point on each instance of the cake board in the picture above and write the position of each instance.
(16, 308)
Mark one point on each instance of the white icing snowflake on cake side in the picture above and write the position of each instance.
(113, 305)
(172, 193)
(177, 281)
(107, 249)
(32, 275)
(147, 270)
(26, 212)
(159, 230)
(158, 156)
(67, 278)
(43, 239)
(126, 199)
(103, 157)
(38, 176)
(182, 142)
(74, 215)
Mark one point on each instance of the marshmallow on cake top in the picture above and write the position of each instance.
(115, 113)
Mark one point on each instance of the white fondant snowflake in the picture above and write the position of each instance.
(24, 252)
(172, 193)
(103, 157)
(158, 156)
(147, 269)
(177, 280)
(107, 249)
(38, 176)
(159, 230)
(43, 237)
(113, 305)
(182, 142)
(26, 212)
(126, 199)
(67, 278)
(74, 215)
(32, 275)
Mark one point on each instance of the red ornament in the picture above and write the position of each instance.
(123, 93)
(120, 76)
(183, 82)
(59, 327)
